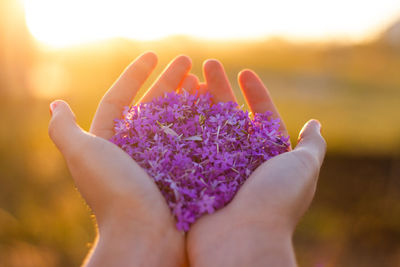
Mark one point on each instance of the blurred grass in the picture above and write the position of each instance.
(354, 90)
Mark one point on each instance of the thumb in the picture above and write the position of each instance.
(311, 141)
(63, 130)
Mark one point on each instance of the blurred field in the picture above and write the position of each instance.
(353, 89)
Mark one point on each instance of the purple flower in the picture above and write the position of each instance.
(198, 153)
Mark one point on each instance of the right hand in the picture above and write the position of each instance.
(275, 195)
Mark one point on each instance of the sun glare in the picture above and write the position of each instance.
(66, 22)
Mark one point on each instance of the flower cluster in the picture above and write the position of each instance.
(198, 153)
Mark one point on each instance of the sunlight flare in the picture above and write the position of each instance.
(66, 22)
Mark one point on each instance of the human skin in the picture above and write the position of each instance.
(256, 227)
(135, 225)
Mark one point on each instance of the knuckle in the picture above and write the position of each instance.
(52, 129)
(308, 160)
(75, 151)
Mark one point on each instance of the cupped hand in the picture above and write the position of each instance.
(262, 216)
(131, 213)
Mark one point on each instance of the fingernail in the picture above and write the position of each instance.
(318, 125)
(53, 105)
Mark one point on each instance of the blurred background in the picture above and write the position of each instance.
(337, 61)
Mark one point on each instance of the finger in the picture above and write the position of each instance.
(121, 94)
(190, 83)
(257, 96)
(170, 79)
(311, 141)
(202, 88)
(63, 130)
(217, 82)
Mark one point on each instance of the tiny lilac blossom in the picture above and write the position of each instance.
(198, 153)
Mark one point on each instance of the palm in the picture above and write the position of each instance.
(273, 188)
(108, 178)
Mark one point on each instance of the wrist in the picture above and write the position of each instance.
(241, 244)
(124, 243)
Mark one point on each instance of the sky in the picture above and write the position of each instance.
(70, 22)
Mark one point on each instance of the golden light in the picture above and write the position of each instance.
(48, 80)
(65, 22)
